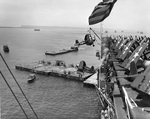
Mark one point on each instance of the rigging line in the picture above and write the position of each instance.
(19, 86)
(108, 102)
(14, 94)
(96, 34)
(100, 99)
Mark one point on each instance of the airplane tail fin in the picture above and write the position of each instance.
(133, 68)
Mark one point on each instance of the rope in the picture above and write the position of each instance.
(100, 99)
(14, 94)
(96, 34)
(19, 86)
(108, 102)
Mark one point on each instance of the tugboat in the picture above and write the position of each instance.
(6, 48)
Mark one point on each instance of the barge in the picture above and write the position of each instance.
(58, 69)
(63, 51)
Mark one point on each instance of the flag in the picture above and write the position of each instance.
(101, 11)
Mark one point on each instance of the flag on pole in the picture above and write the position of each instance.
(101, 11)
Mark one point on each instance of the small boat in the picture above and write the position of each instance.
(36, 29)
(31, 78)
(6, 48)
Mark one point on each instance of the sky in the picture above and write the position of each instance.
(126, 14)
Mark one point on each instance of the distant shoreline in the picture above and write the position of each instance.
(40, 27)
(68, 27)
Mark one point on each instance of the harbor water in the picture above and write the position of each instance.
(51, 97)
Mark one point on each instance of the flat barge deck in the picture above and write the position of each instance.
(52, 70)
(63, 51)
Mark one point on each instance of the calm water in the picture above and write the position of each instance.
(51, 97)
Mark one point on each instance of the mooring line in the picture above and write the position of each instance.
(14, 94)
(19, 86)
